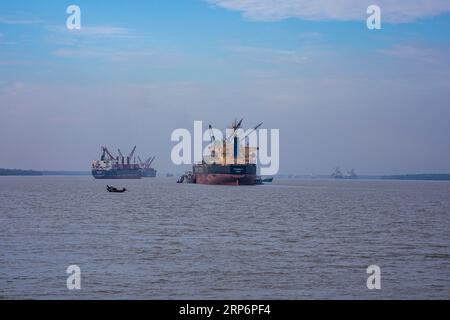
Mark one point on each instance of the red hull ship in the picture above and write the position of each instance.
(237, 171)
(240, 174)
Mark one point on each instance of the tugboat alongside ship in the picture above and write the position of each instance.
(187, 177)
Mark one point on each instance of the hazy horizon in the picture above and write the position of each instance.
(377, 101)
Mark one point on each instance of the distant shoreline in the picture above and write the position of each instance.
(421, 177)
(21, 172)
(417, 177)
(66, 173)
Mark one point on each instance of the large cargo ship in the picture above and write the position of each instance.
(230, 163)
(111, 167)
(227, 174)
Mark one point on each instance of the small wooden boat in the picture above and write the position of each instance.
(114, 189)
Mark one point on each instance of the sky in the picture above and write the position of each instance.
(342, 95)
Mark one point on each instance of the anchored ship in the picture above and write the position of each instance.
(119, 167)
(337, 174)
(351, 175)
(229, 163)
(146, 167)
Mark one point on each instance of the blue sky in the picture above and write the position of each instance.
(373, 100)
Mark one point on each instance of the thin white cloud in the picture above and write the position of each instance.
(100, 53)
(78, 53)
(19, 21)
(414, 52)
(12, 89)
(101, 31)
(270, 55)
(394, 11)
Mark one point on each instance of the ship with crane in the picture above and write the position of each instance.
(337, 174)
(229, 163)
(146, 167)
(120, 167)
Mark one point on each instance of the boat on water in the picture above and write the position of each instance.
(227, 174)
(229, 163)
(114, 189)
(337, 174)
(119, 167)
(187, 177)
(107, 173)
(351, 175)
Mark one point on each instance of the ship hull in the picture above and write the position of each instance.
(116, 174)
(148, 173)
(225, 179)
(231, 175)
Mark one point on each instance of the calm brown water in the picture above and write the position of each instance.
(161, 240)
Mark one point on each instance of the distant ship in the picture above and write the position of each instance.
(240, 170)
(337, 174)
(351, 175)
(111, 167)
(146, 167)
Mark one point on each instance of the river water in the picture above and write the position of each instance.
(299, 239)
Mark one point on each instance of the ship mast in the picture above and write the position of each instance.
(213, 142)
(235, 126)
(247, 146)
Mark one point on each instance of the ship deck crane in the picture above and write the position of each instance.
(235, 126)
(247, 144)
(147, 162)
(122, 158)
(254, 129)
(151, 161)
(131, 155)
(105, 150)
